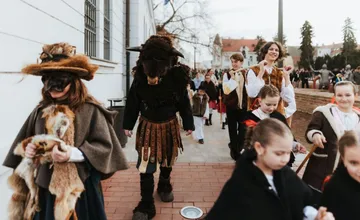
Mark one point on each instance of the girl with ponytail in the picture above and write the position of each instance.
(262, 186)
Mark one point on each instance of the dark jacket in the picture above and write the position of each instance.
(248, 196)
(210, 90)
(342, 195)
(159, 103)
(251, 117)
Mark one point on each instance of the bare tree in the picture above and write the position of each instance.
(185, 20)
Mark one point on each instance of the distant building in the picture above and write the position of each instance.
(224, 48)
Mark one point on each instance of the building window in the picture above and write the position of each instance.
(90, 27)
(107, 29)
(251, 59)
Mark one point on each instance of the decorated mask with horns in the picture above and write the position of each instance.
(157, 56)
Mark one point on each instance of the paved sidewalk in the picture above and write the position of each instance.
(197, 184)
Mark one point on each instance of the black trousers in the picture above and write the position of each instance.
(235, 117)
(305, 82)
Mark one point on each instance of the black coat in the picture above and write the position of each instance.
(250, 116)
(210, 90)
(342, 195)
(248, 196)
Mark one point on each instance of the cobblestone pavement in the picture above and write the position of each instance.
(197, 177)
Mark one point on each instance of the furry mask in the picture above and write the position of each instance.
(157, 56)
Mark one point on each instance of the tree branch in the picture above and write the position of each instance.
(173, 15)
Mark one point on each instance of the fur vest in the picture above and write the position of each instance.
(238, 97)
(199, 106)
(275, 78)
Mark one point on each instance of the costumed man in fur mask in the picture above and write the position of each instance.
(157, 92)
(93, 150)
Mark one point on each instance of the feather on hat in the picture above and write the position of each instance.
(61, 57)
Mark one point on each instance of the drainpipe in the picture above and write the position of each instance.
(127, 44)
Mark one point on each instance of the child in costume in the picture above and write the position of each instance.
(268, 100)
(200, 109)
(91, 155)
(327, 125)
(262, 186)
(157, 93)
(342, 193)
(235, 100)
(210, 89)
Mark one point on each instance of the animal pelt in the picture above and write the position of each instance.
(65, 182)
(24, 202)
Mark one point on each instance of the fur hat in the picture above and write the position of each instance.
(61, 57)
(157, 46)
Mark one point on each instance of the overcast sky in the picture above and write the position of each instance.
(240, 18)
(249, 18)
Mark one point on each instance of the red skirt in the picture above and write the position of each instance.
(222, 109)
(212, 104)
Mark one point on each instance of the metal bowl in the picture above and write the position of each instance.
(191, 212)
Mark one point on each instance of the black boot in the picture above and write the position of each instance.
(146, 207)
(207, 122)
(226, 121)
(223, 125)
(164, 186)
(210, 116)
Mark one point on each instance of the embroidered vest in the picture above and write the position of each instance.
(275, 79)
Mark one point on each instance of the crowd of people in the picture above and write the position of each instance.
(326, 78)
(68, 144)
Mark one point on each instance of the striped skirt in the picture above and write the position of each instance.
(157, 144)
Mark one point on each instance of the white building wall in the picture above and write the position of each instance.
(28, 24)
(142, 24)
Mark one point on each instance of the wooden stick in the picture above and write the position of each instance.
(306, 158)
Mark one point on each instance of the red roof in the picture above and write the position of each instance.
(232, 45)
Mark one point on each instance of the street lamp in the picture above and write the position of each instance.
(194, 42)
(280, 28)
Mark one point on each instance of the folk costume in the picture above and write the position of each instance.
(329, 121)
(250, 194)
(157, 92)
(200, 109)
(273, 76)
(253, 117)
(94, 156)
(235, 99)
